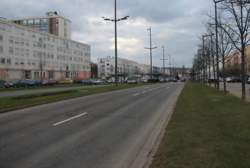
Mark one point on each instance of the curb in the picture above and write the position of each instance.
(145, 157)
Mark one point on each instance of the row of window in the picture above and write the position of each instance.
(45, 64)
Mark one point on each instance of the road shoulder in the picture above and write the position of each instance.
(149, 149)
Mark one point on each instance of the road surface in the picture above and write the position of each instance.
(100, 131)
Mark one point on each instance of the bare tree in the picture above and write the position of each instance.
(226, 47)
(236, 26)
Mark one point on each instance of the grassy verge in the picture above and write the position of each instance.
(207, 130)
(39, 87)
(13, 103)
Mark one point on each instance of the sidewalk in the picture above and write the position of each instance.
(235, 89)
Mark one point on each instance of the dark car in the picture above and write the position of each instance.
(85, 82)
(236, 79)
(2, 82)
(30, 83)
(50, 82)
(212, 80)
(13, 83)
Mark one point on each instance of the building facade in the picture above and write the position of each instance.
(51, 23)
(106, 67)
(126, 68)
(234, 60)
(26, 53)
(94, 70)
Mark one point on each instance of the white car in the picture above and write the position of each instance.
(131, 81)
(248, 81)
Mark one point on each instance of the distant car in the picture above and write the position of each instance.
(85, 82)
(183, 80)
(173, 79)
(132, 81)
(49, 82)
(13, 83)
(66, 81)
(162, 80)
(8, 84)
(229, 79)
(234, 79)
(2, 82)
(98, 82)
(248, 80)
(30, 83)
(212, 80)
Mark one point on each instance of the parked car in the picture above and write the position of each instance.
(2, 82)
(8, 84)
(98, 82)
(172, 79)
(30, 83)
(66, 81)
(131, 81)
(49, 82)
(248, 80)
(13, 83)
(233, 79)
(85, 82)
(212, 80)
(229, 79)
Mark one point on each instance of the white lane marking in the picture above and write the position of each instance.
(136, 94)
(69, 119)
(146, 91)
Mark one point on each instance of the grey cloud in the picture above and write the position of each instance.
(182, 17)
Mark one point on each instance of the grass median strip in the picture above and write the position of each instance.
(13, 103)
(208, 130)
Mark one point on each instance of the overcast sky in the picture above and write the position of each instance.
(176, 24)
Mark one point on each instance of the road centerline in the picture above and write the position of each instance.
(70, 119)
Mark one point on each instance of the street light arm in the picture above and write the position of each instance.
(124, 18)
(108, 19)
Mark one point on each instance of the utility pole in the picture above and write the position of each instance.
(115, 20)
(170, 68)
(151, 52)
(163, 62)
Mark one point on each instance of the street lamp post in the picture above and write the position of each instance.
(170, 66)
(151, 52)
(217, 42)
(115, 20)
(163, 62)
(204, 55)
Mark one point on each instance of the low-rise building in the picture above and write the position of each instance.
(126, 68)
(106, 67)
(26, 53)
(233, 60)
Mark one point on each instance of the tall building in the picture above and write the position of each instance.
(26, 53)
(51, 23)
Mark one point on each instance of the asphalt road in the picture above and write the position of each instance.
(99, 131)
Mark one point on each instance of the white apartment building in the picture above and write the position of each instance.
(26, 53)
(106, 67)
(51, 23)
